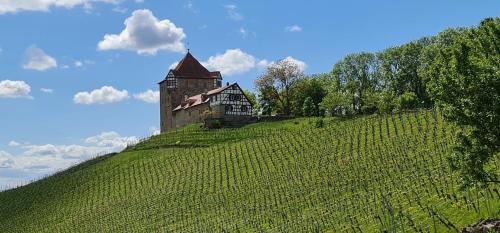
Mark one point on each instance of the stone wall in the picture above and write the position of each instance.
(191, 115)
(172, 97)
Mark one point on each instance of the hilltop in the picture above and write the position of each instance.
(366, 174)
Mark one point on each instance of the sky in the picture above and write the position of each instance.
(78, 78)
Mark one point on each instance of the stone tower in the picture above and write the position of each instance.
(188, 78)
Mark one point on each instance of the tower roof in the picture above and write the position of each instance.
(190, 67)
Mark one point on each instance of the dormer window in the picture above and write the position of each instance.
(171, 81)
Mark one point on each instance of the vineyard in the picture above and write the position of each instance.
(367, 174)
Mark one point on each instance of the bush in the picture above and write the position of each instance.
(319, 123)
(407, 100)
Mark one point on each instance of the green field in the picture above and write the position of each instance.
(367, 174)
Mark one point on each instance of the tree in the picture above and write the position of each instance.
(251, 98)
(309, 87)
(466, 86)
(337, 103)
(277, 84)
(356, 75)
(308, 108)
(399, 70)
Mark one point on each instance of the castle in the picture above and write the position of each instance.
(189, 93)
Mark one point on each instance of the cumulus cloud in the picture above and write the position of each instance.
(233, 61)
(14, 143)
(148, 96)
(104, 95)
(173, 65)
(232, 11)
(7, 6)
(47, 90)
(111, 140)
(38, 160)
(14, 89)
(5, 160)
(154, 131)
(145, 34)
(302, 65)
(37, 59)
(293, 28)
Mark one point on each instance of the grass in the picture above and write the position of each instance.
(368, 174)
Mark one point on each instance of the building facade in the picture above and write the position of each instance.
(190, 92)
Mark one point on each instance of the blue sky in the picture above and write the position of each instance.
(68, 92)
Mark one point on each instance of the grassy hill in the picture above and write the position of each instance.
(367, 174)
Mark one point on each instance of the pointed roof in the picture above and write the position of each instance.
(192, 68)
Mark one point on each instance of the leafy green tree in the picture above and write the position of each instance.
(466, 86)
(399, 70)
(311, 87)
(251, 98)
(407, 100)
(276, 85)
(337, 103)
(308, 107)
(355, 76)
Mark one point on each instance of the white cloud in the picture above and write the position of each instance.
(154, 131)
(5, 160)
(173, 65)
(14, 89)
(293, 28)
(148, 96)
(14, 143)
(104, 95)
(233, 61)
(111, 140)
(243, 32)
(302, 65)
(47, 90)
(119, 9)
(232, 11)
(78, 64)
(37, 59)
(190, 6)
(145, 34)
(13, 6)
(39, 160)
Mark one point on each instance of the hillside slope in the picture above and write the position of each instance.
(367, 174)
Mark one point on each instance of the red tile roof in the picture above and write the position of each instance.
(192, 68)
(197, 99)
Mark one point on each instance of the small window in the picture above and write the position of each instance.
(234, 87)
(229, 108)
(244, 108)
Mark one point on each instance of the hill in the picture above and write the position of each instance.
(369, 174)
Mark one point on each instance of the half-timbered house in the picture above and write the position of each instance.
(190, 92)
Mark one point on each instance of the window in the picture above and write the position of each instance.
(171, 82)
(234, 87)
(244, 108)
(229, 108)
(234, 97)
